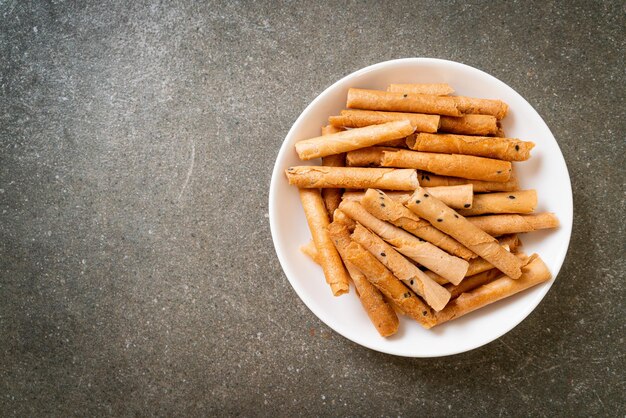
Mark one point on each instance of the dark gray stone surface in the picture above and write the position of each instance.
(137, 271)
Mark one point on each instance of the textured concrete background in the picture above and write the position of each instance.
(137, 271)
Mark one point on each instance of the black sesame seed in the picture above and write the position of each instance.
(456, 216)
(406, 95)
(425, 194)
(499, 171)
(511, 197)
(424, 313)
(417, 201)
(383, 254)
(412, 282)
(467, 205)
(382, 205)
(439, 220)
(517, 148)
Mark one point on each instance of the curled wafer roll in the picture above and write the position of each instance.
(435, 89)
(466, 166)
(478, 106)
(434, 294)
(332, 197)
(523, 201)
(339, 142)
(507, 149)
(453, 196)
(510, 240)
(396, 143)
(533, 273)
(317, 218)
(381, 313)
(469, 125)
(352, 177)
(398, 215)
(342, 218)
(366, 157)
(425, 253)
(401, 102)
(448, 221)
(433, 180)
(478, 265)
(380, 277)
(496, 225)
(353, 118)
(472, 282)
(310, 251)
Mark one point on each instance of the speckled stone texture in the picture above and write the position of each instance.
(137, 271)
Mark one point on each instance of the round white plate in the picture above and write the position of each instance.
(545, 171)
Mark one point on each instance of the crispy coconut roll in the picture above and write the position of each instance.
(466, 166)
(433, 180)
(469, 125)
(523, 201)
(435, 89)
(352, 177)
(496, 225)
(353, 118)
(507, 149)
(533, 273)
(343, 141)
(317, 218)
(402, 102)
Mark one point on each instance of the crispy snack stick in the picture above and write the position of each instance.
(496, 225)
(401, 102)
(434, 294)
(507, 149)
(317, 218)
(425, 253)
(523, 201)
(453, 196)
(395, 213)
(381, 313)
(469, 125)
(433, 180)
(466, 166)
(395, 143)
(435, 89)
(533, 273)
(478, 265)
(342, 218)
(352, 118)
(380, 277)
(332, 197)
(455, 225)
(351, 177)
(366, 157)
(310, 250)
(339, 142)
(472, 282)
(473, 105)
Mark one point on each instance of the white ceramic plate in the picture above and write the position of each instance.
(545, 171)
